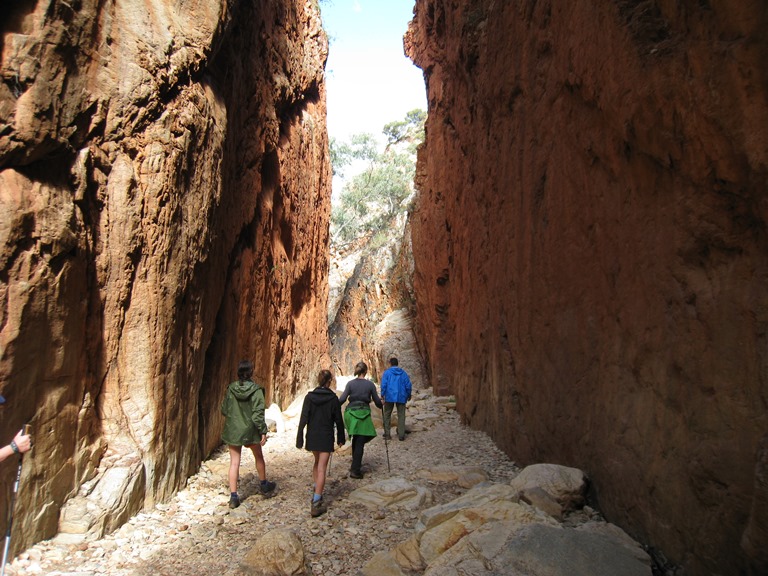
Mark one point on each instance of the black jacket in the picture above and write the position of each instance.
(320, 412)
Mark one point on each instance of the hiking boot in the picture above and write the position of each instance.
(318, 508)
(267, 487)
(401, 438)
(234, 501)
(356, 475)
(387, 436)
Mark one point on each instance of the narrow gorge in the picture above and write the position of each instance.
(585, 265)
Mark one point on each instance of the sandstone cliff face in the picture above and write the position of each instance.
(590, 250)
(372, 316)
(165, 187)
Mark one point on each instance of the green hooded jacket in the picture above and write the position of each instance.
(243, 408)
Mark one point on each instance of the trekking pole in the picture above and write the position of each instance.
(330, 461)
(386, 443)
(10, 509)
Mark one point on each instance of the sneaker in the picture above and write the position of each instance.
(357, 475)
(267, 487)
(234, 501)
(318, 508)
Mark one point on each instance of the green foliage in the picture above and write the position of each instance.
(380, 192)
(341, 156)
(409, 130)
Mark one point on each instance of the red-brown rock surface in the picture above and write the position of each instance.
(591, 254)
(165, 198)
(371, 316)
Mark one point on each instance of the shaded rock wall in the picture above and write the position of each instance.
(374, 285)
(590, 250)
(165, 189)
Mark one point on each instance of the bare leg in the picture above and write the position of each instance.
(234, 467)
(258, 455)
(316, 454)
(320, 469)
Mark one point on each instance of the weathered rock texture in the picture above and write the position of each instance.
(372, 311)
(590, 249)
(165, 194)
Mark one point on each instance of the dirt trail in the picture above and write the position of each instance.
(196, 532)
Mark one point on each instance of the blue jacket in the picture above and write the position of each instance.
(395, 385)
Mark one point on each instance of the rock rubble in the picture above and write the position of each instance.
(442, 477)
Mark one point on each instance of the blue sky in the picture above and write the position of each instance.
(369, 80)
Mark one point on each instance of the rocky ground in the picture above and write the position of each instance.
(197, 533)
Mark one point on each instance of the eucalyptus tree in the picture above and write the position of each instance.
(382, 182)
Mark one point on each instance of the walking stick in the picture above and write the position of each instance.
(10, 509)
(386, 443)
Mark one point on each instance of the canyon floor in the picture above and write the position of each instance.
(197, 533)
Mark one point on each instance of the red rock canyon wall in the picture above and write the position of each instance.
(165, 188)
(591, 254)
(377, 290)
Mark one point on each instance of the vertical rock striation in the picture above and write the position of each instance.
(373, 317)
(165, 187)
(590, 250)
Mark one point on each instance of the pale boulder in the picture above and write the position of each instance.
(382, 564)
(542, 500)
(566, 485)
(293, 412)
(608, 530)
(476, 497)
(435, 541)
(408, 556)
(464, 476)
(273, 413)
(392, 492)
(515, 550)
(277, 553)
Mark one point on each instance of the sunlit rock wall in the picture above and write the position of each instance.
(591, 260)
(165, 186)
(372, 315)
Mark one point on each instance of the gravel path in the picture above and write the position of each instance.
(196, 532)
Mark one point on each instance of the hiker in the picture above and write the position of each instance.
(21, 442)
(395, 391)
(320, 413)
(243, 408)
(357, 416)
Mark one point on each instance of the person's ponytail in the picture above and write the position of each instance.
(324, 378)
(361, 369)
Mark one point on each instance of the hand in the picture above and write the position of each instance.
(263, 439)
(23, 442)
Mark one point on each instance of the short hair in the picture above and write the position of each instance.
(324, 378)
(393, 361)
(245, 370)
(361, 369)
